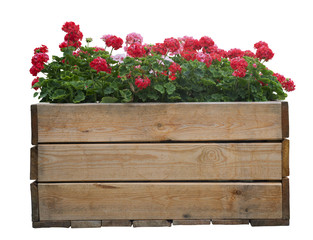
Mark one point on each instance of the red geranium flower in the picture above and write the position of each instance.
(136, 50)
(142, 83)
(100, 64)
(264, 53)
(114, 41)
(35, 81)
(172, 44)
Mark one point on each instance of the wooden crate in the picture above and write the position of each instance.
(158, 164)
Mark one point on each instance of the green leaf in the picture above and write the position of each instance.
(58, 94)
(170, 88)
(123, 71)
(80, 96)
(157, 67)
(109, 100)
(126, 95)
(153, 96)
(36, 94)
(159, 88)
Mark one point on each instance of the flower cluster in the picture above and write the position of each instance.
(113, 41)
(286, 83)
(142, 83)
(177, 69)
(73, 36)
(263, 51)
(39, 59)
(100, 65)
(239, 65)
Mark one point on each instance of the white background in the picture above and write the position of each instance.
(285, 25)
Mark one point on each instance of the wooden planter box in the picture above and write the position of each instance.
(156, 164)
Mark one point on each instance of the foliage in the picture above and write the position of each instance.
(178, 70)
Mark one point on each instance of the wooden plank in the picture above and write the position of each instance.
(34, 124)
(151, 223)
(86, 224)
(286, 198)
(136, 122)
(230, 221)
(47, 224)
(285, 119)
(159, 162)
(269, 222)
(141, 201)
(116, 223)
(285, 157)
(34, 163)
(35, 201)
(192, 222)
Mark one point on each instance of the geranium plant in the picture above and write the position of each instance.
(176, 70)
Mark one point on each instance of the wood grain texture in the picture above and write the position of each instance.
(154, 201)
(285, 119)
(86, 224)
(35, 201)
(230, 221)
(151, 223)
(192, 222)
(152, 122)
(159, 162)
(47, 224)
(285, 157)
(34, 163)
(116, 223)
(34, 124)
(286, 198)
(269, 222)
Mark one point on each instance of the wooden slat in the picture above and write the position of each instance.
(47, 224)
(151, 223)
(230, 221)
(285, 119)
(141, 201)
(35, 201)
(285, 157)
(116, 223)
(34, 124)
(192, 222)
(269, 222)
(86, 224)
(137, 122)
(286, 198)
(34, 163)
(159, 162)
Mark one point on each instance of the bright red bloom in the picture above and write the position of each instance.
(264, 53)
(206, 42)
(35, 81)
(239, 65)
(249, 53)
(175, 67)
(189, 54)
(289, 85)
(260, 44)
(38, 61)
(136, 50)
(172, 77)
(114, 41)
(142, 83)
(42, 49)
(235, 52)
(191, 43)
(159, 48)
(40, 58)
(172, 44)
(280, 78)
(73, 36)
(100, 64)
